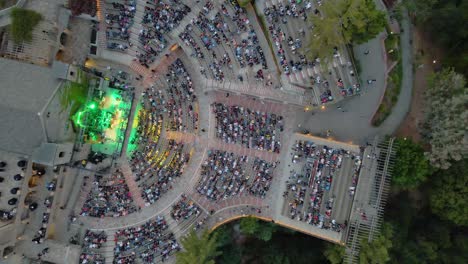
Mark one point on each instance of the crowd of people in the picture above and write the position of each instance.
(156, 162)
(230, 29)
(306, 188)
(94, 258)
(184, 209)
(170, 167)
(109, 196)
(92, 242)
(253, 129)
(172, 102)
(181, 99)
(225, 175)
(150, 120)
(288, 44)
(147, 242)
(159, 19)
(157, 166)
(277, 16)
(119, 18)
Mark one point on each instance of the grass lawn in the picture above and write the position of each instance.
(75, 94)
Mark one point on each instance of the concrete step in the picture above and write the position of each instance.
(132, 185)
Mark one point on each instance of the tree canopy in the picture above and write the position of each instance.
(421, 10)
(23, 22)
(444, 20)
(201, 249)
(244, 3)
(334, 253)
(377, 251)
(341, 22)
(253, 227)
(365, 21)
(412, 167)
(448, 196)
(446, 115)
(422, 237)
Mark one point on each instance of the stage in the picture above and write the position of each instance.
(104, 120)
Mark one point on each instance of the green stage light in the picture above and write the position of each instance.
(92, 106)
(78, 118)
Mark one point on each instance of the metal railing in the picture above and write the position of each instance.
(377, 183)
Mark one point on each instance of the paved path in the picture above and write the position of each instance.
(355, 123)
(255, 89)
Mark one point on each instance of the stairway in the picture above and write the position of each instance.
(107, 249)
(84, 192)
(102, 41)
(140, 69)
(132, 185)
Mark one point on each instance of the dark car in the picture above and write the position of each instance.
(33, 206)
(12, 201)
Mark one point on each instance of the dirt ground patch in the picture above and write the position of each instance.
(425, 52)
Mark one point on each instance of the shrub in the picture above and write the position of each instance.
(23, 21)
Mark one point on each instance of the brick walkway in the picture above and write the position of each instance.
(220, 145)
(231, 202)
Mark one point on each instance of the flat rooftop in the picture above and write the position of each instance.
(25, 89)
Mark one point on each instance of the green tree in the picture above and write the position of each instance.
(253, 227)
(341, 22)
(265, 232)
(421, 10)
(365, 22)
(202, 249)
(446, 115)
(326, 35)
(377, 251)
(223, 235)
(244, 3)
(232, 253)
(412, 168)
(23, 22)
(447, 20)
(334, 253)
(446, 27)
(249, 225)
(276, 258)
(448, 195)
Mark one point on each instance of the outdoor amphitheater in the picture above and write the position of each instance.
(187, 119)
